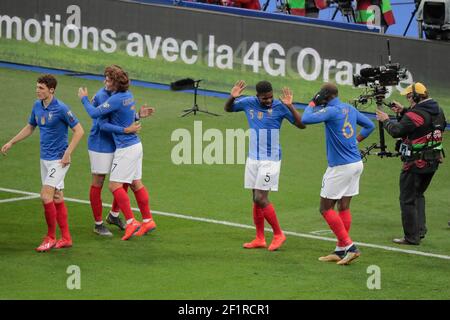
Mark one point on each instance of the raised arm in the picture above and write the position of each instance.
(236, 91)
(94, 112)
(287, 99)
(399, 129)
(311, 116)
(23, 134)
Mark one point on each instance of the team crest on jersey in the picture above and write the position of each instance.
(42, 120)
(260, 115)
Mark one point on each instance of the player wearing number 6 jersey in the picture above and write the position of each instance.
(262, 169)
(341, 180)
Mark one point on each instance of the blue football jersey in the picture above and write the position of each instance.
(265, 124)
(121, 110)
(99, 140)
(53, 122)
(341, 122)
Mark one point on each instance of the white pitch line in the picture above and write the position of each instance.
(244, 226)
(18, 199)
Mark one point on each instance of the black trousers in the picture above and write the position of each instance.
(412, 203)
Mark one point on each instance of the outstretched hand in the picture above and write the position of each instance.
(381, 116)
(146, 111)
(287, 96)
(238, 88)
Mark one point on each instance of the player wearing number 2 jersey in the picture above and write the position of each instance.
(341, 180)
(53, 118)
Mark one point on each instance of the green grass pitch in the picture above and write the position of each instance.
(189, 259)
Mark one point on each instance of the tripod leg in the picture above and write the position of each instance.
(409, 23)
(334, 14)
(186, 113)
(207, 112)
(382, 141)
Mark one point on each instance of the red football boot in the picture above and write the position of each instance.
(46, 244)
(63, 243)
(146, 227)
(131, 229)
(277, 241)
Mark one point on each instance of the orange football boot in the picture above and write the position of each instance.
(146, 227)
(277, 241)
(255, 244)
(131, 229)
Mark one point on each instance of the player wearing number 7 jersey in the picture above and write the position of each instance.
(341, 179)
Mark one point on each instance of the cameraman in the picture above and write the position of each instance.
(420, 128)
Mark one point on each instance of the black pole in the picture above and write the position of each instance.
(382, 141)
(410, 19)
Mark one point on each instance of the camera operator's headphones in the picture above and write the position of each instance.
(415, 95)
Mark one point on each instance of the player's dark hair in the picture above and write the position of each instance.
(331, 88)
(49, 80)
(263, 87)
(119, 77)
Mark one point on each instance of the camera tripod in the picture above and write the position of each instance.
(346, 9)
(378, 93)
(195, 107)
(413, 13)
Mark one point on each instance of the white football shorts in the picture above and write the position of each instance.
(341, 181)
(53, 174)
(100, 162)
(127, 164)
(262, 174)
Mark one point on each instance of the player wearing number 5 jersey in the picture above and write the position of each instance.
(262, 169)
(341, 180)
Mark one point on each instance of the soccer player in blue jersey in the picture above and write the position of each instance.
(127, 161)
(341, 180)
(53, 118)
(101, 149)
(262, 169)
